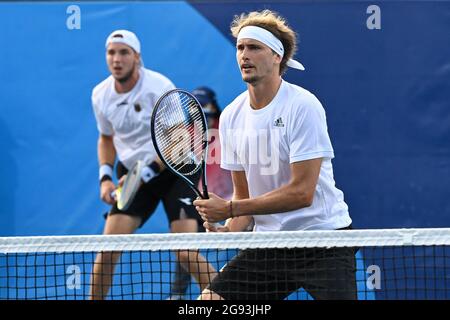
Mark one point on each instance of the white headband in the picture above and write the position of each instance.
(267, 37)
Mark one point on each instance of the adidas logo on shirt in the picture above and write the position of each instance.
(278, 122)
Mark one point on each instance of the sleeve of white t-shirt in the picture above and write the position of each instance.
(170, 119)
(169, 86)
(308, 135)
(103, 125)
(228, 155)
(161, 85)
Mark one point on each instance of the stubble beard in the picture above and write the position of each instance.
(251, 79)
(128, 75)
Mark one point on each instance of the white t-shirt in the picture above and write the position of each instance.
(264, 143)
(126, 116)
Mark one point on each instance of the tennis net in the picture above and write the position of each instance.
(348, 264)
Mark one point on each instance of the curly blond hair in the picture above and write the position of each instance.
(273, 22)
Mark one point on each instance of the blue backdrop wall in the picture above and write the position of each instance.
(386, 92)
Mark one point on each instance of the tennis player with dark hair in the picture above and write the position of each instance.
(219, 180)
(123, 104)
(295, 190)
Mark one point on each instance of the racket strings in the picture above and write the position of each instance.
(177, 145)
(177, 135)
(130, 187)
(180, 132)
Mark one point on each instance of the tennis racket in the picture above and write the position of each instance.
(126, 193)
(179, 134)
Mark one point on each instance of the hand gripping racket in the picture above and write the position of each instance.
(179, 134)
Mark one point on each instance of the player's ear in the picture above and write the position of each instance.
(137, 57)
(278, 58)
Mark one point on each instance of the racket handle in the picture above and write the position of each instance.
(206, 196)
(113, 194)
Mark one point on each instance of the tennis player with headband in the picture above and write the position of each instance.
(123, 104)
(295, 191)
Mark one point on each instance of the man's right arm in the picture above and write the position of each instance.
(240, 191)
(106, 157)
